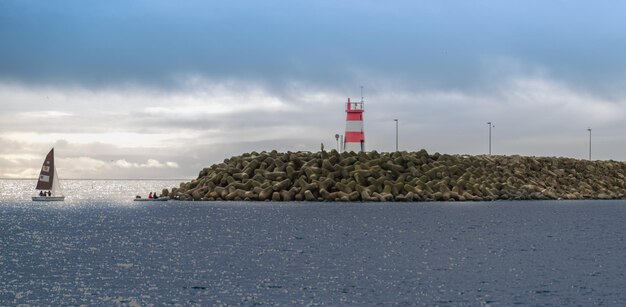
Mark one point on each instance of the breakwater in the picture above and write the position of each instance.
(402, 176)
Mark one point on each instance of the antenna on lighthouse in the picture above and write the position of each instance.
(361, 93)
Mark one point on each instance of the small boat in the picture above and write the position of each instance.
(152, 199)
(49, 181)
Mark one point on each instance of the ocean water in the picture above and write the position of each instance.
(99, 247)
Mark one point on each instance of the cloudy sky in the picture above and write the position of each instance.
(160, 89)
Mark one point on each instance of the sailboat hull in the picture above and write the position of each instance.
(48, 198)
(152, 199)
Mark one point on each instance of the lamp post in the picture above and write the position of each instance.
(342, 146)
(589, 129)
(490, 126)
(396, 120)
(337, 138)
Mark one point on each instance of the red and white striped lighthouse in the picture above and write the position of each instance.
(355, 135)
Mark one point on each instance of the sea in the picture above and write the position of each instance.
(100, 248)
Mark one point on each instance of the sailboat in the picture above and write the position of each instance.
(49, 180)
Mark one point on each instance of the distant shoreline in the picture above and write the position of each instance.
(116, 179)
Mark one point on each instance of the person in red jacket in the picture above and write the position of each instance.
(150, 195)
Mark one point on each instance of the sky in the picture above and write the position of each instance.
(161, 89)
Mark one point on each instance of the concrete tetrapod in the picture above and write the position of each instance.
(402, 176)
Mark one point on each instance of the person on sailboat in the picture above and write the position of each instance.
(150, 195)
(40, 193)
(49, 193)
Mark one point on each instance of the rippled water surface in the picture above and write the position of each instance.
(99, 247)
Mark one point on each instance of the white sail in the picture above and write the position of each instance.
(56, 184)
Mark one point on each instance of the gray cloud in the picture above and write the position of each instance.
(192, 129)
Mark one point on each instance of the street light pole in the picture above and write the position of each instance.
(589, 129)
(489, 123)
(342, 146)
(396, 120)
(337, 138)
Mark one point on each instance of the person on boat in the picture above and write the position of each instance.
(40, 193)
(154, 195)
(150, 195)
(49, 193)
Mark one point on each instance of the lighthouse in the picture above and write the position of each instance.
(355, 135)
